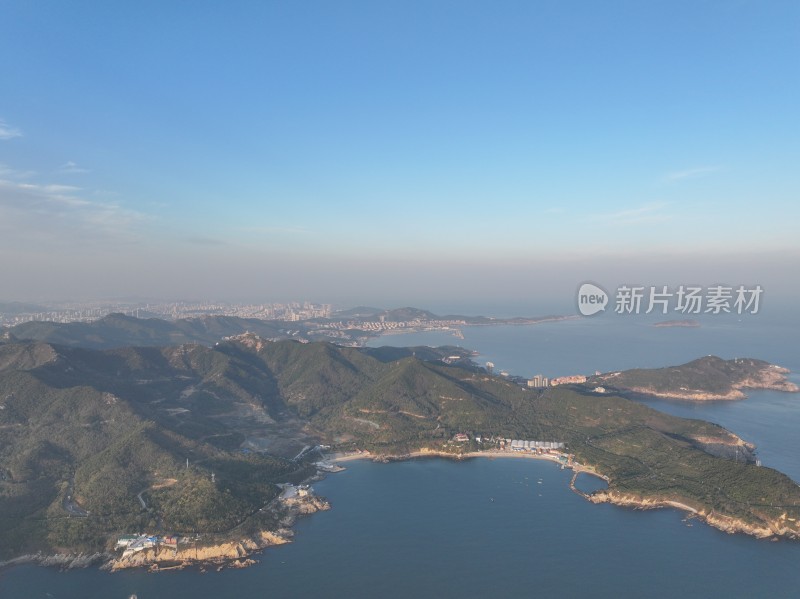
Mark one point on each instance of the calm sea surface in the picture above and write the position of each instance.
(769, 419)
(433, 528)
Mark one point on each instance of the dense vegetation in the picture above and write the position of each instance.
(112, 429)
(118, 330)
(710, 375)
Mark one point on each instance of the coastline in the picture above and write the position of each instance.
(63, 561)
(735, 394)
(239, 552)
(232, 552)
(433, 453)
(217, 553)
(770, 377)
(456, 330)
(769, 530)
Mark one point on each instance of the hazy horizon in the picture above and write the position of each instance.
(399, 153)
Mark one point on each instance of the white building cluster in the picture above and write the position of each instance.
(518, 445)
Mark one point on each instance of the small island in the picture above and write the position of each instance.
(689, 324)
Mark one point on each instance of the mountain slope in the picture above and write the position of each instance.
(94, 443)
(118, 330)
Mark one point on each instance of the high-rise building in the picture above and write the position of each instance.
(538, 381)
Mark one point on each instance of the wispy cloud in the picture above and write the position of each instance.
(647, 214)
(282, 230)
(692, 173)
(6, 172)
(71, 168)
(39, 212)
(56, 214)
(206, 241)
(7, 131)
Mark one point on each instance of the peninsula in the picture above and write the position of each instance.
(704, 379)
(205, 451)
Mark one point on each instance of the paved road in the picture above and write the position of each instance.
(70, 505)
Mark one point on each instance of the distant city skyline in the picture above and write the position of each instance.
(396, 152)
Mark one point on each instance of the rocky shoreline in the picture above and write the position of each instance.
(235, 552)
(732, 395)
(239, 552)
(62, 561)
(780, 528)
(232, 553)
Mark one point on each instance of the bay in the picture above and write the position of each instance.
(767, 418)
(436, 528)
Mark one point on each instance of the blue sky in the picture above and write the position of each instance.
(373, 150)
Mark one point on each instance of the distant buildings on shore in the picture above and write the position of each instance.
(492, 442)
(525, 445)
(540, 381)
(94, 310)
(575, 379)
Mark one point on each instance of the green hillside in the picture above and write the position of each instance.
(709, 377)
(118, 330)
(103, 431)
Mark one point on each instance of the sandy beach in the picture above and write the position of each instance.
(492, 453)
